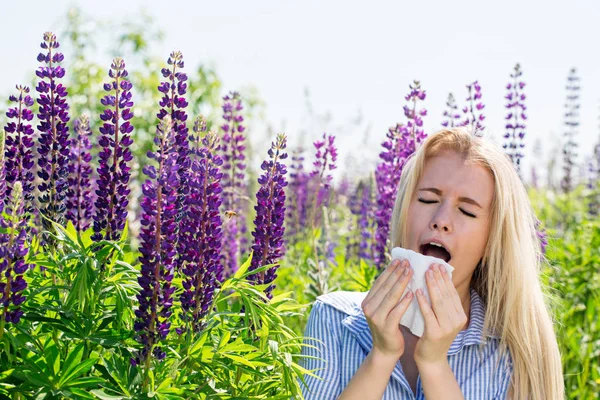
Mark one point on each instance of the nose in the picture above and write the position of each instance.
(441, 220)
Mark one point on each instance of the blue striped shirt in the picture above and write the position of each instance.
(338, 321)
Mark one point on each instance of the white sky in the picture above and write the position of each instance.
(360, 56)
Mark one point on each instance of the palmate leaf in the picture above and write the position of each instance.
(74, 366)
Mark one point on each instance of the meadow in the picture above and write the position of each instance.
(142, 254)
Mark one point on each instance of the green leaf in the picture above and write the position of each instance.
(244, 267)
(240, 360)
(103, 396)
(73, 359)
(52, 357)
(80, 369)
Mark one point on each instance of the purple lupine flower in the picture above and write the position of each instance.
(2, 173)
(53, 146)
(473, 115)
(325, 159)
(173, 103)
(268, 247)
(401, 144)
(13, 250)
(541, 235)
(115, 155)
(234, 180)
(451, 113)
(157, 245)
(19, 143)
(297, 210)
(572, 124)
(387, 178)
(365, 221)
(415, 123)
(79, 195)
(515, 119)
(203, 266)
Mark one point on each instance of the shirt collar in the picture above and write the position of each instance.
(356, 324)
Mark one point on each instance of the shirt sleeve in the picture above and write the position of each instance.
(324, 324)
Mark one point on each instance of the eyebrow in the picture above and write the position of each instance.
(462, 199)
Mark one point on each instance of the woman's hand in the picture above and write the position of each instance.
(443, 322)
(384, 310)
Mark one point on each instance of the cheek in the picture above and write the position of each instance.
(475, 236)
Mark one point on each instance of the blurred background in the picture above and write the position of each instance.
(341, 67)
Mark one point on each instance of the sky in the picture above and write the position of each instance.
(357, 59)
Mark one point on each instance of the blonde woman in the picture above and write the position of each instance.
(488, 331)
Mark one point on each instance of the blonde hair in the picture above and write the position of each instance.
(507, 279)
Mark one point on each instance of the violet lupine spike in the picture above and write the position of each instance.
(173, 103)
(269, 229)
(53, 146)
(451, 113)
(387, 178)
(115, 155)
(203, 266)
(415, 122)
(297, 210)
(2, 173)
(79, 195)
(13, 250)
(19, 143)
(515, 119)
(234, 180)
(473, 115)
(365, 221)
(325, 159)
(157, 246)
(402, 141)
(572, 123)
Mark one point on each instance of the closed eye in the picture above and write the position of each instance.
(468, 214)
(427, 201)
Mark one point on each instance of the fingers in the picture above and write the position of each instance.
(428, 315)
(446, 310)
(453, 293)
(397, 312)
(379, 281)
(388, 295)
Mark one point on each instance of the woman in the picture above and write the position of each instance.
(488, 332)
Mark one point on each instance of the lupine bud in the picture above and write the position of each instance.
(234, 180)
(157, 245)
(19, 143)
(451, 113)
(473, 115)
(515, 119)
(79, 195)
(115, 155)
(203, 265)
(268, 247)
(53, 146)
(571, 125)
(13, 250)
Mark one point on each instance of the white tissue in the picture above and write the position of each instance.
(413, 318)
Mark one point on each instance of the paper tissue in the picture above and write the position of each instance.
(413, 318)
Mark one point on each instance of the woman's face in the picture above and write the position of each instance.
(451, 206)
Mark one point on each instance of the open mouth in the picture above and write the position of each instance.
(435, 250)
